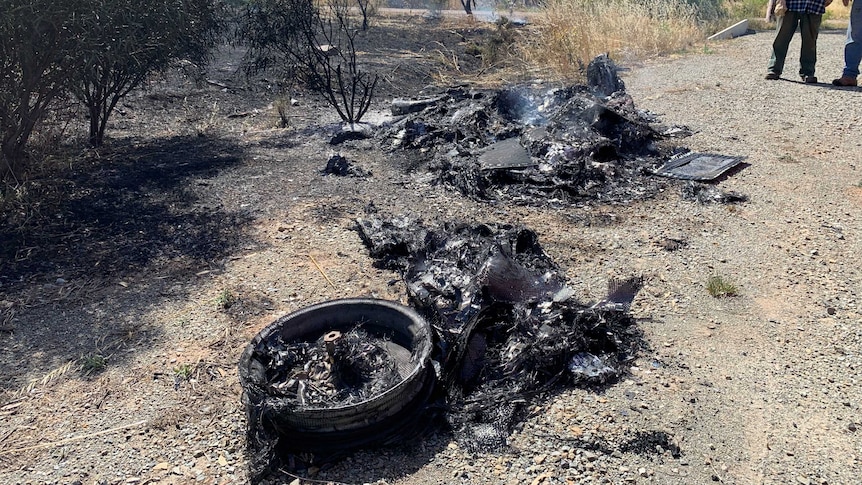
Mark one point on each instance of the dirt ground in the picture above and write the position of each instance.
(137, 273)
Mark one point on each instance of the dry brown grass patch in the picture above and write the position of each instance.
(574, 31)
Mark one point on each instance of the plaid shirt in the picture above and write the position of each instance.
(817, 7)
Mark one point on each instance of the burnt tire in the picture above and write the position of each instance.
(277, 426)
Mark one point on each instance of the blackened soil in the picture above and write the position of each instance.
(120, 209)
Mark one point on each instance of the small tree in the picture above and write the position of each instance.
(38, 45)
(315, 48)
(127, 40)
(97, 49)
(367, 8)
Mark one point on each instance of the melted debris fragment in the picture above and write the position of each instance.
(334, 370)
(698, 166)
(506, 326)
(710, 194)
(342, 167)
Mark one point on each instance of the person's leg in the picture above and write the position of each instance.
(809, 25)
(784, 34)
(853, 45)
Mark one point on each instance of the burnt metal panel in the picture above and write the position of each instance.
(698, 166)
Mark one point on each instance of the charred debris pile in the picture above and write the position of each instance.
(506, 328)
(537, 146)
(335, 370)
(505, 324)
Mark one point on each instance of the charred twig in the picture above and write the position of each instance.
(306, 479)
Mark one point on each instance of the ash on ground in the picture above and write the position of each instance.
(507, 328)
(709, 194)
(537, 146)
(349, 369)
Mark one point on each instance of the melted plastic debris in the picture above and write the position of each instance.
(710, 194)
(506, 326)
(602, 76)
(586, 367)
(537, 146)
(698, 166)
(342, 167)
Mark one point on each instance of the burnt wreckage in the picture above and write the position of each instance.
(536, 146)
(504, 324)
(495, 327)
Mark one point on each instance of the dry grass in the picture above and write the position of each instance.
(836, 15)
(837, 11)
(574, 31)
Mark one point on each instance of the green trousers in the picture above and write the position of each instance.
(809, 26)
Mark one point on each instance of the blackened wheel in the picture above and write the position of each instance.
(327, 429)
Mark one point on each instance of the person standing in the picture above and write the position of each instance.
(807, 15)
(852, 47)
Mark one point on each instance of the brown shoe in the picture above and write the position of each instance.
(773, 76)
(844, 81)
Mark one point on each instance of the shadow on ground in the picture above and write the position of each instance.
(138, 204)
(85, 255)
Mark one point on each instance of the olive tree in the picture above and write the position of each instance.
(127, 40)
(39, 43)
(97, 50)
(468, 6)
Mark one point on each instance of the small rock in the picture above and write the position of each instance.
(541, 478)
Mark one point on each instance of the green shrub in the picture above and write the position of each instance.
(225, 299)
(718, 287)
(127, 40)
(93, 363)
(98, 50)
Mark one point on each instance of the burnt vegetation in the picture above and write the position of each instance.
(113, 218)
(311, 45)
